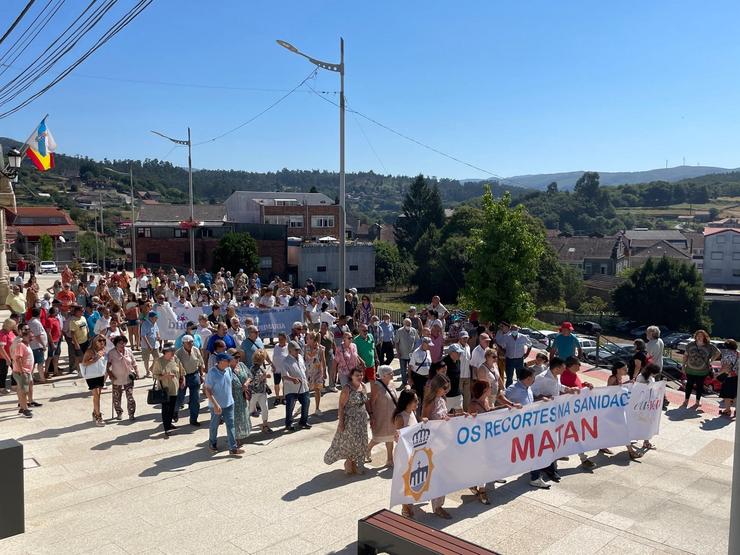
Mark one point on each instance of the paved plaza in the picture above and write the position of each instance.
(125, 489)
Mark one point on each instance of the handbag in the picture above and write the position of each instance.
(156, 396)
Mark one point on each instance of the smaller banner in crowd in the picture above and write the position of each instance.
(271, 321)
(436, 458)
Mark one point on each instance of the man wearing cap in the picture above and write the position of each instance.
(565, 343)
(465, 374)
(405, 341)
(419, 366)
(518, 347)
(171, 376)
(221, 403)
(451, 361)
(149, 338)
(295, 387)
(192, 361)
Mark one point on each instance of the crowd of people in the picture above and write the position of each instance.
(447, 369)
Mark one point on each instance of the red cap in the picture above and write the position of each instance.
(566, 326)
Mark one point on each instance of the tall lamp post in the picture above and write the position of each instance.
(191, 228)
(133, 213)
(337, 68)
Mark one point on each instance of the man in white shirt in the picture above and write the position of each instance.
(419, 365)
(437, 306)
(547, 384)
(465, 375)
(103, 323)
(478, 356)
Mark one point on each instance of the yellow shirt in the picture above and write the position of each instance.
(78, 328)
(16, 303)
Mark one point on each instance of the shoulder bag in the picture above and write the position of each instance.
(156, 396)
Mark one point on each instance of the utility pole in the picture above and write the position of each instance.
(734, 543)
(191, 231)
(102, 232)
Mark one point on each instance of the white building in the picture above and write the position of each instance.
(722, 256)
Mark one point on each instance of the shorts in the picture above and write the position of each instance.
(95, 383)
(56, 351)
(23, 380)
(132, 323)
(38, 356)
(370, 374)
(277, 377)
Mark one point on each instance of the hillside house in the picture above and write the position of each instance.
(592, 255)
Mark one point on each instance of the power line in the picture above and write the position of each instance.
(411, 139)
(367, 140)
(17, 20)
(270, 107)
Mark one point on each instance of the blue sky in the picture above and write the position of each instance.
(514, 88)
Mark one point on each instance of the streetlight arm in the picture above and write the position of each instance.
(338, 68)
(176, 141)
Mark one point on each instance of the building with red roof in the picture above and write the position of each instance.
(29, 223)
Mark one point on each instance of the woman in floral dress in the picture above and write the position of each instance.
(240, 389)
(315, 367)
(350, 441)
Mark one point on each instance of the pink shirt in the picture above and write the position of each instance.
(23, 357)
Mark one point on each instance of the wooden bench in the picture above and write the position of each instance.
(388, 532)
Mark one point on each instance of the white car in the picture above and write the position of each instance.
(89, 267)
(48, 267)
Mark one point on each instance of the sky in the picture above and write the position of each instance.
(509, 87)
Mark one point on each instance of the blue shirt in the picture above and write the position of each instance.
(519, 393)
(565, 345)
(387, 331)
(250, 347)
(206, 279)
(150, 330)
(92, 320)
(220, 385)
(197, 342)
(228, 339)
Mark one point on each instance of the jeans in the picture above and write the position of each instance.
(261, 400)
(404, 362)
(168, 410)
(534, 474)
(192, 384)
(694, 382)
(290, 400)
(513, 364)
(227, 413)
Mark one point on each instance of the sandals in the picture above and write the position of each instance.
(634, 455)
(407, 511)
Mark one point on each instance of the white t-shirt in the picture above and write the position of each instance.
(326, 317)
(101, 325)
(279, 356)
(204, 334)
(478, 357)
(143, 283)
(267, 300)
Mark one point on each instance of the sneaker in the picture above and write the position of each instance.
(539, 483)
(588, 463)
(196, 424)
(305, 426)
(254, 414)
(290, 429)
(27, 413)
(318, 412)
(554, 476)
(34, 404)
(212, 448)
(175, 417)
(606, 451)
(236, 451)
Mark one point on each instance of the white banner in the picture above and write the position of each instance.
(435, 458)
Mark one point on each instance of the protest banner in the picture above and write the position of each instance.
(270, 321)
(435, 458)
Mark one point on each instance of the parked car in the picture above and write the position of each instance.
(641, 331)
(534, 334)
(625, 325)
(591, 328)
(672, 340)
(548, 336)
(719, 343)
(48, 267)
(608, 354)
(89, 267)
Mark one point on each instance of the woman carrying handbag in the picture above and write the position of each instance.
(93, 369)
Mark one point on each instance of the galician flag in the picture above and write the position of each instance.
(41, 147)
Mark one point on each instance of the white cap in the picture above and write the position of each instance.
(186, 338)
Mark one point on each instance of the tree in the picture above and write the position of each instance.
(463, 220)
(89, 246)
(666, 292)
(46, 248)
(236, 251)
(548, 288)
(313, 189)
(574, 291)
(390, 267)
(504, 255)
(422, 208)
(552, 188)
(713, 214)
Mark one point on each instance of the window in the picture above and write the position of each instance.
(290, 221)
(144, 232)
(295, 221)
(180, 233)
(265, 262)
(587, 268)
(721, 239)
(322, 221)
(736, 255)
(603, 269)
(718, 255)
(152, 257)
(353, 267)
(321, 268)
(736, 238)
(736, 272)
(206, 232)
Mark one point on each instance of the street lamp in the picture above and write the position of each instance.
(193, 223)
(337, 68)
(14, 164)
(133, 213)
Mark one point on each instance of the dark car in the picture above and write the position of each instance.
(672, 340)
(641, 331)
(590, 328)
(609, 354)
(625, 326)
